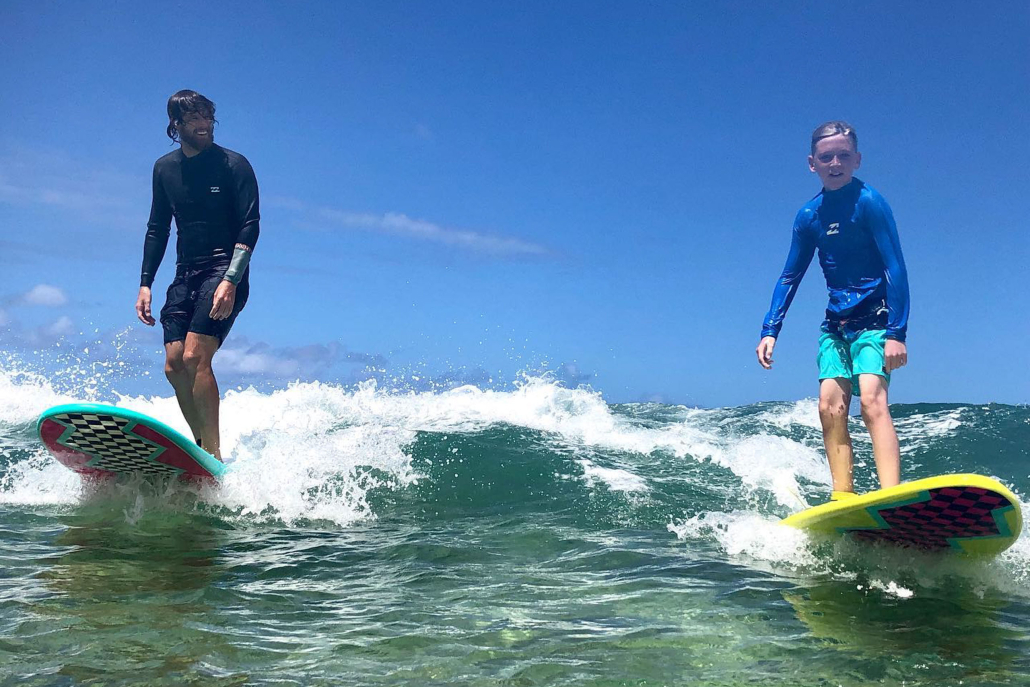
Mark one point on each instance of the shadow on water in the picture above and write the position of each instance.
(869, 631)
(125, 593)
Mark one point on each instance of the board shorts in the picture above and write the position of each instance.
(849, 355)
(188, 304)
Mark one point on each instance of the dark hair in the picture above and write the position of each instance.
(183, 103)
(827, 129)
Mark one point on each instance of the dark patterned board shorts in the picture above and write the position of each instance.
(188, 304)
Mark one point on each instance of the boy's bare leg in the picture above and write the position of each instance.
(834, 399)
(179, 377)
(877, 417)
(200, 349)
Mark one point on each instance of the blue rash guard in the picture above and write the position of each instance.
(859, 251)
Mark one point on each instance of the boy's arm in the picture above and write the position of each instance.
(885, 234)
(802, 248)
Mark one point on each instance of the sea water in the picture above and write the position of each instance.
(535, 535)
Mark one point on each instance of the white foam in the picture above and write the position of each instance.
(891, 588)
(25, 395)
(615, 479)
(919, 431)
(289, 444)
(803, 413)
(745, 534)
(40, 480)
(763, 543)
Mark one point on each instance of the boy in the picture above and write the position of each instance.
(862, 339)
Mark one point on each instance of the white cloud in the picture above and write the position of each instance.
(55, 180)
(398, 224)
(62, 326)
(243, 358)
(423, 132)
(30, 177)
(45, 295)
(245, 362)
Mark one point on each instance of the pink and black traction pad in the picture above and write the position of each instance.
(949, 513)
(102, 446)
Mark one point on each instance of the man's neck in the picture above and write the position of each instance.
(190, 151)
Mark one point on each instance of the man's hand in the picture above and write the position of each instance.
(765, 350)
(225, 298)
(143, 306)
(895, 355)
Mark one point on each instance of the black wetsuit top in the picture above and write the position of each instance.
(214, 199)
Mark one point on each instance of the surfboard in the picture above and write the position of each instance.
(102, 441)
(969, 514)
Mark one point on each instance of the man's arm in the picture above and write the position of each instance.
(158, 230)
(248, 212)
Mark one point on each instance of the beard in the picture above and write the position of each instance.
(197, 142)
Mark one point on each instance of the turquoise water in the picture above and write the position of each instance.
(536, 536)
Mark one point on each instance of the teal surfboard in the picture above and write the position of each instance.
(102, 441)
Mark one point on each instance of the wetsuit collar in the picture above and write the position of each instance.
(850, 187)
(199, 156)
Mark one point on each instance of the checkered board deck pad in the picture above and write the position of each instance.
(948, 513)
(112, 448)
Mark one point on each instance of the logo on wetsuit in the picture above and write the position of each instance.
(215, 189)
(834, 229)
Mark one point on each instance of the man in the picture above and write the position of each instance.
(213, 195)
(862, 339)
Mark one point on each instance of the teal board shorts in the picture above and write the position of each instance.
(851, 355)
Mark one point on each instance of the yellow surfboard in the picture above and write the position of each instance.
(969, 514)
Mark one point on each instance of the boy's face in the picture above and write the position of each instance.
(835, 161)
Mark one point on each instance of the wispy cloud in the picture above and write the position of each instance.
(15, 335)
(423, 132)
(59, 181)
(55, 180)
(241, 357)
(62, 326)
(401, 225)
(44, 295)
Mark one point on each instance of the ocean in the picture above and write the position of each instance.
(535, 535)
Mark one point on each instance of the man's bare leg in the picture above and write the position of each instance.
(877, 416)
(834, 399)
(200, 349)
(179, 377)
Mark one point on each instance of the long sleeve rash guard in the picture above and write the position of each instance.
(214, 199)
(860, 253)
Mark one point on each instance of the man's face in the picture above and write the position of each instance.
(835, 161)
(197, 130)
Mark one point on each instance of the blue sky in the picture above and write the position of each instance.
(464, 190)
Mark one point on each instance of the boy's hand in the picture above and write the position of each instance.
(895, 355)
(765, 351)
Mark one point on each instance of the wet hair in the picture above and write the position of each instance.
(184, 103)
(827, 129)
